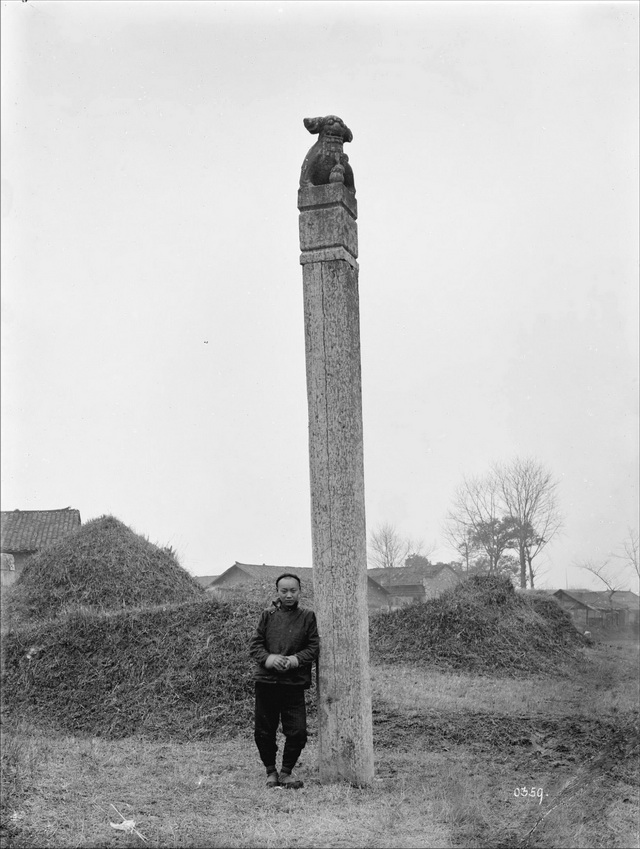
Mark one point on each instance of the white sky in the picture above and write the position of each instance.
(152, 331)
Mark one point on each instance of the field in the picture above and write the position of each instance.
(495, 723)
(462, 760)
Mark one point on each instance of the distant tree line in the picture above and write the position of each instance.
(501, 521)
(498, 523)
(388, 548)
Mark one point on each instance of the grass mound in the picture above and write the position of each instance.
(481, 625)
(181, 671)
(103, 565)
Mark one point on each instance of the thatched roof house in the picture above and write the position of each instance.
(25, 532)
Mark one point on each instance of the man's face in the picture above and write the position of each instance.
(288, 592)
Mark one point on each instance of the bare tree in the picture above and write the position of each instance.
(388, 548)
(476, 524)
(616, 576)
(528, 493)
(610, 576)
(460, 537)
(630, 552)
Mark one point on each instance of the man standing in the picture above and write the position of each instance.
(284, 646)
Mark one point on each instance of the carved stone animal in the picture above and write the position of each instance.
(326, 162)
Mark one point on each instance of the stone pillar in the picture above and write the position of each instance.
(329, 244)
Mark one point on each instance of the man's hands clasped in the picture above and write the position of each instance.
(281, 663)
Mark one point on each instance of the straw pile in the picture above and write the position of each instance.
(104, 565)
(182, 671)
(481, 625)
(179, 671)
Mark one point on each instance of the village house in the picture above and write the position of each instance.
(25, 532)
(243, 573)
(589, 608)
(205, 580)
(415, 583)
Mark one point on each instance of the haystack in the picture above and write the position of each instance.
(104, 565)
(181, 671)
(481, 625)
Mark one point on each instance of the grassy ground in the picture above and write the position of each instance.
(574, 740)
(451, 750)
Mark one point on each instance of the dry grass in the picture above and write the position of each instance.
(600, 692)
(181, 671)
(210, 795)
(104, 565)
(440, 792)
(476, 694)
(177, 671)
(481, 625)
(576, 738)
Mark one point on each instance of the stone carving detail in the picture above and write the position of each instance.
(326, 162)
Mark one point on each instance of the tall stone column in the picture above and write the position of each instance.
(329, 245)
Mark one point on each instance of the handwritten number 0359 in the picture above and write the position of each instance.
(531, 792)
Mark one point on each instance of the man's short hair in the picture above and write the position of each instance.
(288, 575)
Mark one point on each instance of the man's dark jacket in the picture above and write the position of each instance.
(286, 632)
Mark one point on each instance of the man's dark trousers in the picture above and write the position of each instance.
(275, 702)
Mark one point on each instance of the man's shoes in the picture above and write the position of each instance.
(273, 780)
(289, 782)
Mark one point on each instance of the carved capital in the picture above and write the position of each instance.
(328, 222)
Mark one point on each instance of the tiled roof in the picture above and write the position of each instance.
(31, 530)
(406, 574)
(205, 580)
(267, 572)
(405, 589)
(398, 577)
(627, 597)
(602, 600)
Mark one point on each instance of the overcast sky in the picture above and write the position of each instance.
(152, 321)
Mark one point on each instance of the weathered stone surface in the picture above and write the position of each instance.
(328, 254)
(328, 228)
(326, 162)
(328, 218)
(336, 465)
(329, 244)
(329, 194)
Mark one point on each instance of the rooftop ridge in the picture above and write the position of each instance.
(53, 510)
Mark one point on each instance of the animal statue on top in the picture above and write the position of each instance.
(326, 162)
